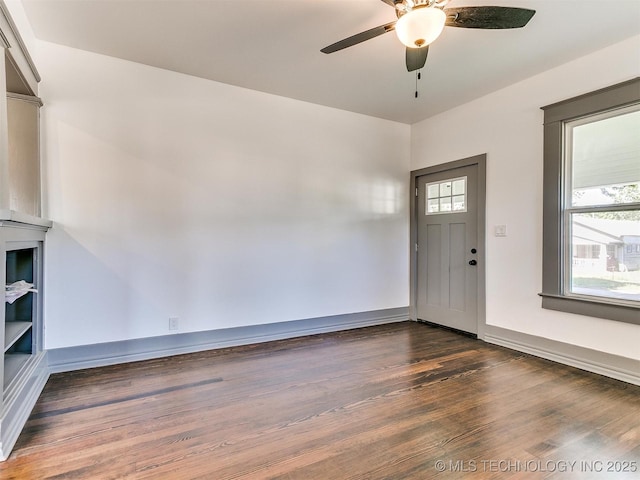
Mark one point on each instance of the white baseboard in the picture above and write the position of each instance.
(102, 354)
(602, 363)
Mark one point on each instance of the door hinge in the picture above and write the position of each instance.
(416, 247)
(416, 191)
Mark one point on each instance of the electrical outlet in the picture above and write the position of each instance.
(174, 323)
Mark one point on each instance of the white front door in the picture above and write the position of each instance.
(447, 248)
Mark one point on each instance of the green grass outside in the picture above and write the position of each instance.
(624, 282)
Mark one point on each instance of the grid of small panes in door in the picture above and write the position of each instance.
(447, 196)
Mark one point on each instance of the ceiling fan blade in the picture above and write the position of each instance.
(390, 2)
(416, 58)
(360, 37)
(488, 17)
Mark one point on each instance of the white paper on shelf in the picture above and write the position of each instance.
(15, 290)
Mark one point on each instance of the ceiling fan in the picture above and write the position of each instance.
(420, 22)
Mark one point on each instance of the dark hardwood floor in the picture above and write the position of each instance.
(400, 401)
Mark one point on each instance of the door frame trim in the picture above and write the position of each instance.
(481, 162)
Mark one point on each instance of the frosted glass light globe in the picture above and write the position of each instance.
(420, 26)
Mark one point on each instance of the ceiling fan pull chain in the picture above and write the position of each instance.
(418, 77)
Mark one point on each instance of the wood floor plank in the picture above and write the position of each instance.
(401, 401)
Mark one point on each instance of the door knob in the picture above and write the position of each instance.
(472, 262)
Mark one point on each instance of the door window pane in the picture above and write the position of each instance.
(445, 204)
(458, 203)
(448, 196)
(459, 186)
(445, 189)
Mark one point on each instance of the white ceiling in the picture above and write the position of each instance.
(274, 46)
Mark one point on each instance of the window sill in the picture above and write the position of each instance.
(592, 307)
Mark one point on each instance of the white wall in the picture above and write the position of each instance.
(177, 196)
(507, 126)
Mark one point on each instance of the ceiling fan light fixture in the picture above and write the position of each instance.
(421, 26)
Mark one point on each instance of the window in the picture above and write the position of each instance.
(602, 204)
(592, 204)
(447, 196)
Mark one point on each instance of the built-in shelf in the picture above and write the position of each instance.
(21, 263)
(12, 365)
(23, 372)
(13, 331)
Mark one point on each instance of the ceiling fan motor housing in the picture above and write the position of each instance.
(404, 6)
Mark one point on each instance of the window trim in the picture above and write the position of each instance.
(553, 238)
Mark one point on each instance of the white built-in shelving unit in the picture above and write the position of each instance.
(23, 371)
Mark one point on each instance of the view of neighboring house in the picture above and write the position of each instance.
(601, 245)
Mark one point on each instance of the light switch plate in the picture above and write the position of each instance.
(500, 230)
